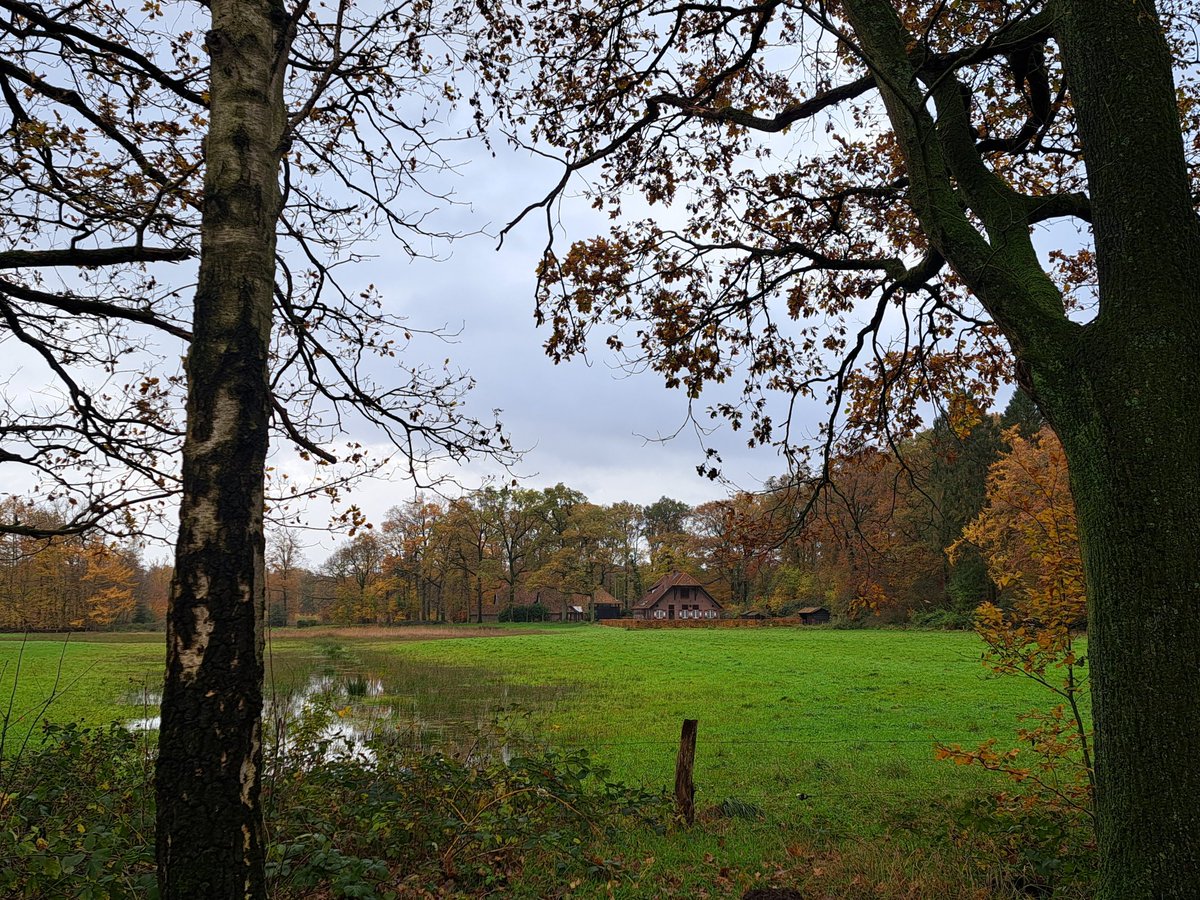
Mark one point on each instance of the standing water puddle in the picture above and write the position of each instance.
(339, 700)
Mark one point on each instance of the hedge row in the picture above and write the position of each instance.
(702, 623)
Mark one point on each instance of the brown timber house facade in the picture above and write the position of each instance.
(677, 596)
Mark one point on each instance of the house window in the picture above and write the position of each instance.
(660, 614)
(712, 613)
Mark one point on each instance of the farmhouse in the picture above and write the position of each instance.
(813, 615)
(677, 596)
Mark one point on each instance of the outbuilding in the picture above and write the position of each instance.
(605, 605)
(813, 615)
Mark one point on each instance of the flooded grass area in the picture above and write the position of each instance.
(840, 719)
(361, 693)
(816, 748)
(353, 674)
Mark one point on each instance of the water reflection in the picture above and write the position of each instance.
(337, 706)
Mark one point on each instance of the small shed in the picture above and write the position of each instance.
(754, 614)
(605, 605)
(813, 615)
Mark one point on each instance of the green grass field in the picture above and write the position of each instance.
(830, 733)
(91, 678)
(847, 718)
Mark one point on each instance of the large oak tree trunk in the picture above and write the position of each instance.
(1125, 407)
(210, 834)
(1120, 391)
(1135, 475)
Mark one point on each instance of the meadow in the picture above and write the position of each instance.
(820, 741)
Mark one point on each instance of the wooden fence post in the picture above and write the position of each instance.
(685, 790)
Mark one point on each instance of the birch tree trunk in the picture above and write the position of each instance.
(210, 833)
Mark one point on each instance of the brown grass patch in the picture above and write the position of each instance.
(883, 870)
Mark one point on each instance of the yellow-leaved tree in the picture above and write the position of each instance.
(109, 582)
(1027, 535)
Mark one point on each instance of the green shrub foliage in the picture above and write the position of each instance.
(77, 817)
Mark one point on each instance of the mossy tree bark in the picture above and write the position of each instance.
(1127, 417)
(1129, 427)
(1120, 391)
(210, 833)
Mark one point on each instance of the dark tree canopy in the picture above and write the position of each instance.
(665, 516)
(790, 245)
(1023, 413)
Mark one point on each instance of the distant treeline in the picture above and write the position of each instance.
(927, 530)
(85, 581)
(917, 532)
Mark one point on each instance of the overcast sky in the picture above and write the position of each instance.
(588, 424)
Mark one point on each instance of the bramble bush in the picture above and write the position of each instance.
(422, 822)
(77, 817)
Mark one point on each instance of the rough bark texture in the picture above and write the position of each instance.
(210, 834)
(1129, 424)
(1129, 428)
(1120, 391)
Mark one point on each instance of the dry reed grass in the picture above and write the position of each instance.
(399, 632)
